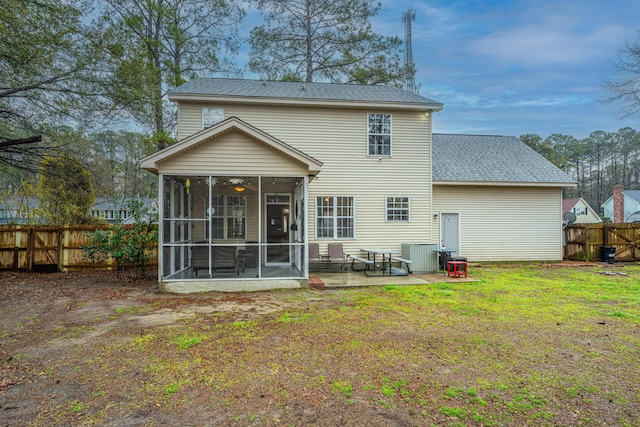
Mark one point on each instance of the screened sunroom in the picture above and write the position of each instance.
(222, 228)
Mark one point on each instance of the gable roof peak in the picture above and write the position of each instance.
(231, 124)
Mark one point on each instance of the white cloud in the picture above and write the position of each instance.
(555, 40)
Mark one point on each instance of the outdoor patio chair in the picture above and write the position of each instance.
(250, 254)
(317, 261)
(199, 258)
(314, 253)
(337, 256)
(225, 258)
(222, 258)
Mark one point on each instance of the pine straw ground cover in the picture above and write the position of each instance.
(526, 345)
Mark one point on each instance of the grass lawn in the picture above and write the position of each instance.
(526, 345)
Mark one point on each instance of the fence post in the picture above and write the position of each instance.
(59, 256)
(16, 250)
(30, 250)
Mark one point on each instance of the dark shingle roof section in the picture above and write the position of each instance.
(569, 204)
(301, 91)
(487, 158)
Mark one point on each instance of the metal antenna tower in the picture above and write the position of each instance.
(407, 18)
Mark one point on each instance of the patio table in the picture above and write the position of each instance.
(387, 254)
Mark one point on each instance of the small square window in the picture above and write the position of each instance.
(397, 209)
(211, 116)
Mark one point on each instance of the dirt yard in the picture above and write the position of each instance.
(47, 319)
(101, 349)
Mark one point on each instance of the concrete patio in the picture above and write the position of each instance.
(358, 279)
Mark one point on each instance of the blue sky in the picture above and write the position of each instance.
(516, 67)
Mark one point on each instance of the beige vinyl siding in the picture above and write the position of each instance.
(190, 118)
(338, 138)
(499, 223)
(229, 154)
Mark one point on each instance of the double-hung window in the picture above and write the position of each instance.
(398, 209)
(211, 116)
(227, 216)
(335, 217)
(379, 134)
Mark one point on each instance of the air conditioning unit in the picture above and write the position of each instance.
(423, 257)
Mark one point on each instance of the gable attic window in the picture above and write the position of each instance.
(379, 134)
(580, 210)
(211, 116)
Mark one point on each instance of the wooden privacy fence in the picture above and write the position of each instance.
(42, 248)
(583, 241)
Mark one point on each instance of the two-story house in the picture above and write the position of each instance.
(262, 168)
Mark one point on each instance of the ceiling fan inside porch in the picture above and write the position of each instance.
(240, 185)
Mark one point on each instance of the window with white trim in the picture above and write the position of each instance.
(379, 134)
(211, 116)
(580, 210)
(398, 209)
(335, 217)
(228, 217)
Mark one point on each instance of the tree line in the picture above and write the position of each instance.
(76, 72)
(79, 169)
(597, 162)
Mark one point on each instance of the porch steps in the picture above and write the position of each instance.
(316, 283)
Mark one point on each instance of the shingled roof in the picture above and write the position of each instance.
(270, 90)
(491, 159)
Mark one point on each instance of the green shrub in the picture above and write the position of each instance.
(127, 244)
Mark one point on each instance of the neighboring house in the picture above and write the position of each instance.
(109, 210)
(18, 210)
(25, 211)
(267, 167)
(114, 211)
(583, 211)
(496, 199)
(628, 203)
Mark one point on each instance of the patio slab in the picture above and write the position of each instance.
(358, 279)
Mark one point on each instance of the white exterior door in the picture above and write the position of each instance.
(450, 232)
